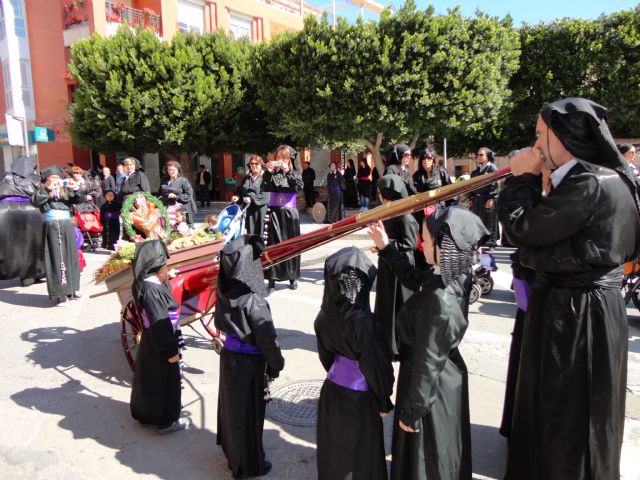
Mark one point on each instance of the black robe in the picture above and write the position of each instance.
(397, 169)
(110, 219)
(569, 409)
(20, 229)
(336, 185)
(156, 392)
(60, 252)
(390, 294)
(308, 179)
(136, 182)
(257, 209)
(433, 389)
(284, 222)
(350, 192)
(241, 403)
(182, 189)
(350, 437)
(478, 203)
(364, 184)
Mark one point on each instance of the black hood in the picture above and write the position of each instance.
(22, 167)
(465, 227)
(348, 278)
(392, 187)
(241, 268)
(394, 155)
(150, 256)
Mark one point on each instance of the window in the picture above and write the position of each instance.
(2, 34)
(190, 17)
(7, 86)
(18, 18)
(25, 75)
(240, 26)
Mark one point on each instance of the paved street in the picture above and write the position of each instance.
(66, 385)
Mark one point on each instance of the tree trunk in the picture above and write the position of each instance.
(373, 145)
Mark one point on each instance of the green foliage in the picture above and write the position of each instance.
(407, 76)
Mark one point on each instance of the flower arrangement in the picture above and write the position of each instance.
(149, 12)
(144, 210)
(73, 12)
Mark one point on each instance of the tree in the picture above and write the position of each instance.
(408, 76)
(138, 93)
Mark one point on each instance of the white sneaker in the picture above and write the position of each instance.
(76, 295)
(63, 303)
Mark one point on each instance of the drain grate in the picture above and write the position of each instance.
(296, 403)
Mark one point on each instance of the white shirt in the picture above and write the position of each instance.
(559, 173)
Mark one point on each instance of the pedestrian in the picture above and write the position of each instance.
(308, 179)
(110, 220)
(283, 182)
(364, 184)
(350, 191)
(88, 188)
(429, 176)
(120, 177)
(55, 199)
(203, 181)
(628, 151)
(568, 417)
(482, 201)
(177, 189)
(403, 234)
(431, 429)
(336, 186)
(134, 179)
(108, 180)
(251, 357)
(356, 394)
(20, 224)
(156, 391)
(250, 193)
(398, 160)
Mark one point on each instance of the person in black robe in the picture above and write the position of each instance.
(568, 416)
(359, 384)
(110, 219)
(308, 179)
(251, 357)
(20, 224)
(55, 199)
(397, 163)
(431, 430)
(335, 185)
(134, 179)
(283, 182)
(429, 175)
(350, 191)
(364, 184)
(403, 232)
(482, 201)
(250, 193)
(375, 176)
(178, 189)
(156, 391)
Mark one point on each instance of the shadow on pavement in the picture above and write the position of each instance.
(20, 299)
(489, 451)
(96, 351)
(107, 421)
(294, 339)
(499, 303)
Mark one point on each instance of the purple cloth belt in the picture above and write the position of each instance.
(79, 239)
(522, 291)
(346, 373)
(175, 318)
(15, 199)
(234, 344)
(335, 190)
(282, 199)
(111, 215)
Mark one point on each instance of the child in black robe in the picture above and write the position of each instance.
(156, 393)
(431, 431)
(110, 219)
(251, 357)
(357, 391)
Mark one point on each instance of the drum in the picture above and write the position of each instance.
(319, 212)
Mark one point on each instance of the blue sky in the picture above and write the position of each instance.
(529, 11)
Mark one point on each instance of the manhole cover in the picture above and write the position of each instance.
(296, 403)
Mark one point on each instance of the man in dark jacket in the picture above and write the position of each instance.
(203, 181)
(568, 416)
(308, 177)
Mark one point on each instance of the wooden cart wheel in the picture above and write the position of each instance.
(206, 321)
(131, 324)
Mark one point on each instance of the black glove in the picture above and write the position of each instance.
(271, 373)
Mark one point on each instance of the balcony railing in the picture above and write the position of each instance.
(293, 6)
(120, 13)
(76, 13)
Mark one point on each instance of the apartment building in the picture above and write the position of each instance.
(35, 40)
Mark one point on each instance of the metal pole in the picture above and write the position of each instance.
(444, 148)
(26, 136)
(333, 12)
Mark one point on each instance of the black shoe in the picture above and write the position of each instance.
(293, 284)
(267, 467)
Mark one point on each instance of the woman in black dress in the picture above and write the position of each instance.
(364, 184)
(250, 193)
(178, 189)
(350, 192)
(482, 201)
(336, 185)
(283, 182)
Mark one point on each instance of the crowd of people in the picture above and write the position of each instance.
(571, 209)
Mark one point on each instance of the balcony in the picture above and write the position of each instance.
(76, 13)
(295, 7)
(117, 13)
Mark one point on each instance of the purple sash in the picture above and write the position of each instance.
(173, 317)
(111, 215)
(282, 199)
(522, 291)
(15, 199)
(335, 189)
(346, 373)
(234, 344)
